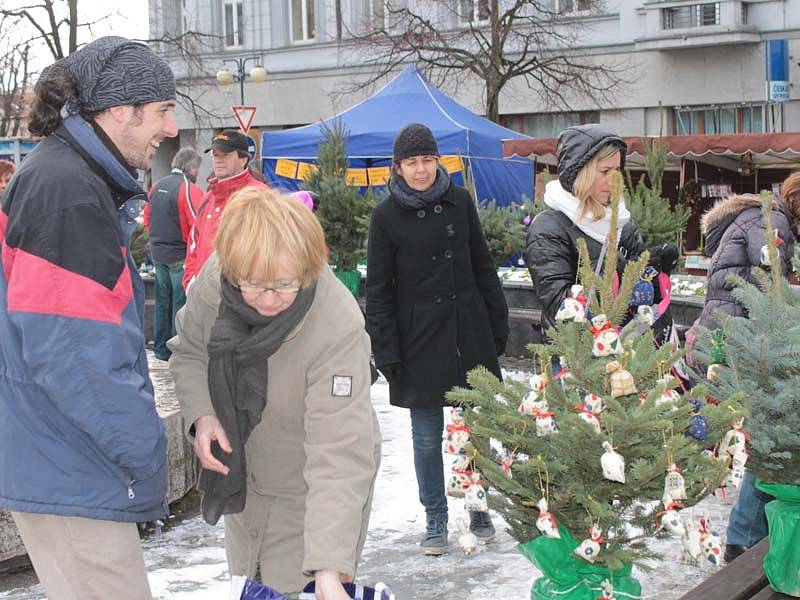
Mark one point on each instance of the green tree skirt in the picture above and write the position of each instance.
(568, 577)
(351, 279)
(782, 562)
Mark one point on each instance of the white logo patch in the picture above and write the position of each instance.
(342, 385)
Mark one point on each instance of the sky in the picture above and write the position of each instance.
(114, 17)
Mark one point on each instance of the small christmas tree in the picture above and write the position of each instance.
(655, 219)
(505, 227)
(755, 360)
(343, 212)
(600, 453)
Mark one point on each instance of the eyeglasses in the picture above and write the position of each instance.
(289, 286)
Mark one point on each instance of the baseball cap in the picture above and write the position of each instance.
(229, 140)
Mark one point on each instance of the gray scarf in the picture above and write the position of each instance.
(412, 199)
(241, 342)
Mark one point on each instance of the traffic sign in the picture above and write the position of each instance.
(244, 116)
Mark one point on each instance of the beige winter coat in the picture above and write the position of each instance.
(318, 441)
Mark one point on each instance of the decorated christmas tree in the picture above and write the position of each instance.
(755, 361)
(343, 212)
(599, 452)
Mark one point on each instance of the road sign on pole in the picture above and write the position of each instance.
(244, 116)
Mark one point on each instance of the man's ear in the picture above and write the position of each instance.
(120, 114)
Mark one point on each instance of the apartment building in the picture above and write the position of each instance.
(699, 66)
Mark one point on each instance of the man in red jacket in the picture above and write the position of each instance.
(229, 149)
(168, 217)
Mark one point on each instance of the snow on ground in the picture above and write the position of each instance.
(188, 561)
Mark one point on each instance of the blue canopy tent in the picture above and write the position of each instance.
(373, 124)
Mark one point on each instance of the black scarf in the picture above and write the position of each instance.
(241, 342)
(412, 199)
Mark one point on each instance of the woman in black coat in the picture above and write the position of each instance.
(578, 207)
(435, 307)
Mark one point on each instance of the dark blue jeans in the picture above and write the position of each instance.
(427, 427)
(170, 297)
(747, 524)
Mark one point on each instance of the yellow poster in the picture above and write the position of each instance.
(452, 163)
(357, 177)
(378, 175)
(305, 169)
(286, 168)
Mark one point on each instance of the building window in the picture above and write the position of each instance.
(744, 13)
(377, 14)
(302, 19)
(473, 11)
(694, 15)
(565, 7)
(719, 119)
(548, 124)
(234, 24)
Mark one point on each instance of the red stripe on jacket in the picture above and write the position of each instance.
(38, 286)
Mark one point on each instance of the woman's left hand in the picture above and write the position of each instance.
(329, 585)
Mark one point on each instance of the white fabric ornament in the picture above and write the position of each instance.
(475, 496)
(545, 424)
(573, 306)
(645, 315)
(713, 371)
(537, 382)
(739, 459)
(460, 477)
(674, 485)
(467, 540)
(692, 549)
(613, 464)
(457, 438)
(546, 523)
(734, 440)
(669, 518)
(710, 543)
(668, 395)
(589, 417)
(606, 337)
(734, 477)
(532, 403)
(594, 403)
(589, 549)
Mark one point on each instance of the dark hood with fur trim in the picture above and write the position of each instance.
(735, 233)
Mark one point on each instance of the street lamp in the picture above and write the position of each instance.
(226, 77)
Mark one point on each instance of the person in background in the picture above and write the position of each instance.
(735, 233)
(6, 173)
(578, 207)
(435, 308)
(271, 365)
(168, 217)
(229, 150)
(83, 448)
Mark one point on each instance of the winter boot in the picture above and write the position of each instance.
(733, 551)
(481, 525)
(435, 541)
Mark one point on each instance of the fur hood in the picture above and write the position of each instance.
(727, 209)
(720, 216)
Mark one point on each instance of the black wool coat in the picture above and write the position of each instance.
(551, 252)
(434, 302)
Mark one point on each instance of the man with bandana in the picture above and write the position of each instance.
(83, 449)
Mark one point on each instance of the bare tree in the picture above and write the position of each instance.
(14, 83)
(54, 25)
(497, 42)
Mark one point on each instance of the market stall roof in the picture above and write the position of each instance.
(767, 150)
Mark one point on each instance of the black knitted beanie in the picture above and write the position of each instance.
(414, 140)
